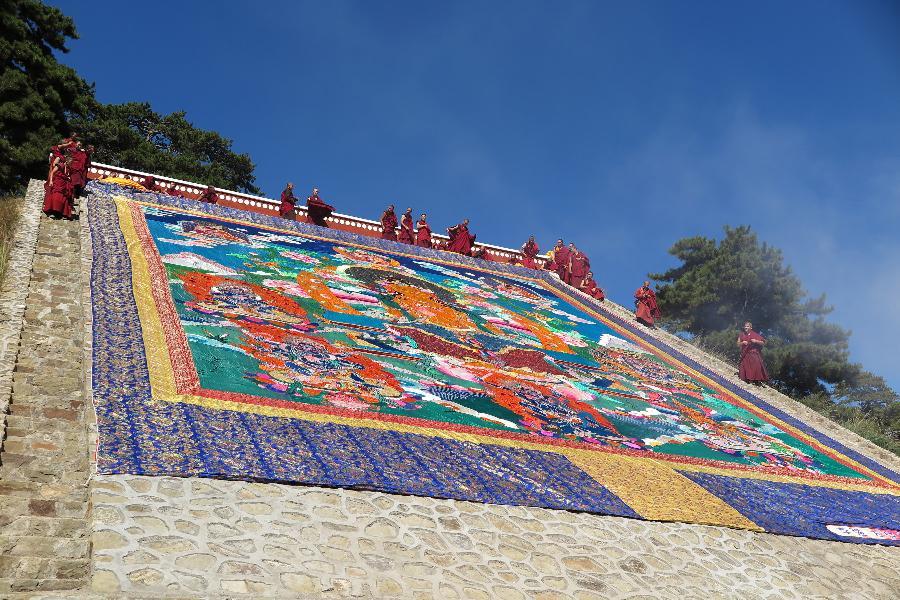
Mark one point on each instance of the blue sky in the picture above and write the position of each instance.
(622, 127)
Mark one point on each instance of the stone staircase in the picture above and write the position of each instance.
(44, 466)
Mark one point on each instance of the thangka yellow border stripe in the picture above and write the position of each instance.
(163, 385)
(657, 492)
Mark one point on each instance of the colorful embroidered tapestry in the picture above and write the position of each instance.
(232, 344)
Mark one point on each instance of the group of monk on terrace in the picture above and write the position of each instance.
(67, 176)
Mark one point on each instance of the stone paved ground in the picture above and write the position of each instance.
(44, 541)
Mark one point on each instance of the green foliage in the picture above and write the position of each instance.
(37, 94)
(41, 101)
(133, 136)
(719, 286)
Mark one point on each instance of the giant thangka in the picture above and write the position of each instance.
(235, 345)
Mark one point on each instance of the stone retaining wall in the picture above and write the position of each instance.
(164, 536)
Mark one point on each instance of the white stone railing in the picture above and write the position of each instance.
(261, 204)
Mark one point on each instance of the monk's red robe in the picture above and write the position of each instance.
(78, 169)
(174, 192)
(529, 252)
(149, 184)
(646, 309)
(58, 197)
(561, 258)
(57, 152)
(388, 225)
(752, 368)
(589, 287)
(318, 210)
(209, 196)
(407, 235)
(460, 239)
(423, 235)
(288, 201)
(579, 267)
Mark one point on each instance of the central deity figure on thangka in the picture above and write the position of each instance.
(332, 327)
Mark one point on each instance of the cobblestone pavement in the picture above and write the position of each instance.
(164, 535)
(44, 542)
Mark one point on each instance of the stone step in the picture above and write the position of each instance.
(9, 462)
(25, 423)
(26, 489)
(38, 585)
(35, 568)
(44, 546)
(47, 470)
(61, 527)
(16, 506)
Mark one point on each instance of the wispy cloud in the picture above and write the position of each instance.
(834, 213)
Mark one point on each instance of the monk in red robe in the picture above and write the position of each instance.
(317, 209)
(460, 239)
(77, 169)
(579, 267)
(288, 202)
(407, 235)
(561, 256)
(589, 287)
(149, 183)
(752, 369)
(646, 309)
(209, 195)
(58, 195)
(173, 191)
(481, 252)
(80, 163)
(529, 252)
(423, 233)
(389, 224)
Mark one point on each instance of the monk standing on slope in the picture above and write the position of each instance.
(561, 258)
(579, 267)
(389, 224)
(317, 209)
(407, 235)
(460, 239)
(288, 202)
(529, 252)
(646, 309)
(752, 368)
(423, 234)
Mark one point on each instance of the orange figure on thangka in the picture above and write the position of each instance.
(370, 342)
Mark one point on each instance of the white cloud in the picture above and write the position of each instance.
(834, 214)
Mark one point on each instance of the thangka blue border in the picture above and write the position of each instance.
(513, 270)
